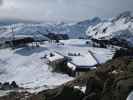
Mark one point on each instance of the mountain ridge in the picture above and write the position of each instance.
(120, 27)
(73, 30)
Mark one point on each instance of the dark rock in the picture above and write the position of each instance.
(130, 67)
(93, 85)
(110, 81)
(17, 96)
(123, 52)
(14, 85)
(60, 93)
(117, 86)
(91, 96)
(66, 93)
(0, 83)
(6, 86)
(93, 89)
(123, 85)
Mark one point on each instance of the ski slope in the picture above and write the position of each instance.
(25, 66)
(27, 69)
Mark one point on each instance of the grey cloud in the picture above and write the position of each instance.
(1, 2)
(63, 9)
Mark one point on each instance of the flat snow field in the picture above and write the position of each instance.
(25, 66)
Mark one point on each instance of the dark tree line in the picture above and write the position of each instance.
(103, 43)
(54, 36)
(123, 52)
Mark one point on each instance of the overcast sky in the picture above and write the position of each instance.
(62, 10)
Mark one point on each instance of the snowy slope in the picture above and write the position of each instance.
(27, 69)
(25, 66)
(24, 29)
(120, 26)
(76, 30)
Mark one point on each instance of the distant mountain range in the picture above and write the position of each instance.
(120, 26)
(4, 22)
(73, 30)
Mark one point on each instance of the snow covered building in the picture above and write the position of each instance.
(74, 65)
(58, 62)
(55, 57)
(82, 64)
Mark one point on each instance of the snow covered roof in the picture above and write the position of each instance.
(72, 66)
(82, 62)
(56, 56)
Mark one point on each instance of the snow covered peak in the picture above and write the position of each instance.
(93, 21)
(96, 19)
(120, 27)
(126, 14)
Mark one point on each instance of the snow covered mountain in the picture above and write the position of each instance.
(73, 30)
(76, 30)
(120, 27)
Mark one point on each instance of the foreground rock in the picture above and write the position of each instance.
(60, 93)
(16, 96)
(110, 81)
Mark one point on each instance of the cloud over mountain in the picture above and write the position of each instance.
(62, 9)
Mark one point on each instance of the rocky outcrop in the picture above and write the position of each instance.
(111, 81)
(123, 52)
(116, 77)
(60, 93)
(8, 86)
(16, 96)
(117, 31)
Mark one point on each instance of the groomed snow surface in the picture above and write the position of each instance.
(25, 66)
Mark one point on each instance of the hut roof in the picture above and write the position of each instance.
(56, 56)
(82, 62)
